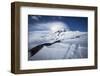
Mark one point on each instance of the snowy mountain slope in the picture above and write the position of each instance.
(73, 45)
(40, 37)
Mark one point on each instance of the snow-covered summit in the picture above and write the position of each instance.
(73, 45)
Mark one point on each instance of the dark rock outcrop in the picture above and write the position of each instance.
(35, 49)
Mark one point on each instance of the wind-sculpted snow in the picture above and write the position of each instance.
(72, 45)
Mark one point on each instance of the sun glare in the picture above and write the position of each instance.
(55, 28)
(58, 26)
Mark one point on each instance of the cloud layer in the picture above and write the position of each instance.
(47, 26)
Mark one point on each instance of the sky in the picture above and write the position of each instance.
(42, 22)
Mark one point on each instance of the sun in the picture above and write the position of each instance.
(58, 26)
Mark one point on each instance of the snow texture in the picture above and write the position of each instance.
(73, 45)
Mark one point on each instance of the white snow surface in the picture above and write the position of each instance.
(73, 45)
